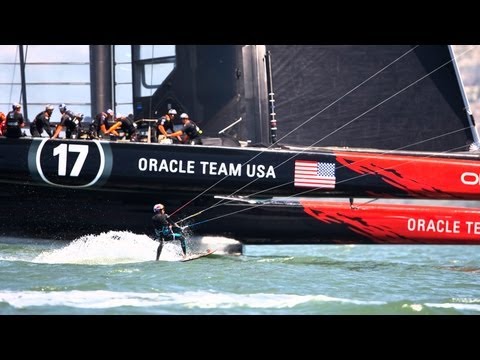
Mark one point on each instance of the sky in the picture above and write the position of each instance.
(76, 94)
(67, 82)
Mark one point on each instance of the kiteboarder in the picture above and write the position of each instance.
(166, 229)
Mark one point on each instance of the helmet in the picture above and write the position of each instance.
(110, 112)
(16, 106)
(172, 112)
(62, 107)
(158, 207)
(49, 107)
(184, 116)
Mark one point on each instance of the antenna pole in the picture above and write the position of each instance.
(22, 75)
(271, 100)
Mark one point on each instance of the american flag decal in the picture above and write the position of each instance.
(313, 174)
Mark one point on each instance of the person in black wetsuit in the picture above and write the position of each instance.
(166, 230)
(42, 122)
(15, 122)
(190, 129)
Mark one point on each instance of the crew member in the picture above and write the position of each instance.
(15, 122)
(166, 229)
(126, 124)
(69, 121)
(3, 123)
(101, 124)
(165, 123)
(191, 131)
(42, 122)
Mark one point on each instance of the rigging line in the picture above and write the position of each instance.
(219, 203)
(293, 99)
(362, 175)
(336, 130)
(347, 93)
(13, 73)
(371, 109)
(368, 202)
(293, 196)
(367, 111)
(333, 132)
(349, 122)
(305, 122)
(384, 153)
(326, 136)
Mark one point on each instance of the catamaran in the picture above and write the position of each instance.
(343, 122)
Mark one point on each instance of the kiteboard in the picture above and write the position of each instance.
(198, 256)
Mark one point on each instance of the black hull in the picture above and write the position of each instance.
(115, 191)
(68, 214)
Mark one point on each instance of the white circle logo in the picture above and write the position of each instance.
(70, 164)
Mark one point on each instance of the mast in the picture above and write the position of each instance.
(101, 78)
(255, 97)
(470, 118)
(271, 100)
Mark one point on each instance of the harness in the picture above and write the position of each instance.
(165, 232)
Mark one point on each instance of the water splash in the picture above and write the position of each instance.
(108, 248)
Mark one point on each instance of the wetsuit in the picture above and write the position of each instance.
(166, 230)
(14, 124)
(40, 123)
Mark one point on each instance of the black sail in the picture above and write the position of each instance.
(429, 104)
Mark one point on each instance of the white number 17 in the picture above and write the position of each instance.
(61, 151)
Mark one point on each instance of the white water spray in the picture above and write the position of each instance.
(113, 247)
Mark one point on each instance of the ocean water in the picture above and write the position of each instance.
(115, 273)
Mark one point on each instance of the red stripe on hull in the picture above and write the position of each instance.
(401, 224)
(428, 177)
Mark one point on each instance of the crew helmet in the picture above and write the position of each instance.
(49, 107)
(158, 208)
(172, 112)
(62, 107)
(110, 112)
(16, 106)
(184, 116)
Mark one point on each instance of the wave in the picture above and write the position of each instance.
(102, 299)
